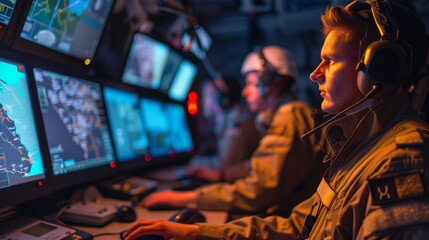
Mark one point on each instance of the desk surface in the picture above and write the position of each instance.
(116, 227)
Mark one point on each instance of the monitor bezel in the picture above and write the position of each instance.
(182, 54)
(175, 79)
(148, 161)
(25, 192)
(15, 41)
(81, 177)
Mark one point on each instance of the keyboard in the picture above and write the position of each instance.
(135, 185)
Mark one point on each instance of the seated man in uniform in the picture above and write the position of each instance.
(378, 181)
(284, 168)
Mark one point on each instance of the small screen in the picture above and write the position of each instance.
(171, 67)
(6, 10)
(201, 42)
(20, 156)
(157, 124)
(75, 122)
(129, 134)
(179, 129)
(69, 26)
(146, 62)
(182, 81)
(39, 229)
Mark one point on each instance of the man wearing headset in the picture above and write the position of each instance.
(284, 168)
(377, 184)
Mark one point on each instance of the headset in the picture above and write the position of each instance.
(231, 94)
(384, 63)
(269, 76)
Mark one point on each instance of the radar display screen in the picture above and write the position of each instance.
(72, 27)
(20, 155)
(6, 10)
(75, 122)
(128, 131)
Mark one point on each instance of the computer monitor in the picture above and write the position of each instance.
(22, 175)
(173, 62)
(183, 80)
(6, 11)
(156, 121)
(201, 42)
(73, 28)
(180, 132)
(146, 62)
(76, 127)
(126, 124)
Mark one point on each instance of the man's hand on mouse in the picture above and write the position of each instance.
(162, 228)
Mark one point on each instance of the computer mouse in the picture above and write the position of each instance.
(188, 216)
(126, 214)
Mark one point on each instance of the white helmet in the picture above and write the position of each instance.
(276, 58)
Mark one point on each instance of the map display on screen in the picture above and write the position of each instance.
(75, 122)
(20, 155)
(73, 27)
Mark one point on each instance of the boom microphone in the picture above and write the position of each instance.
(371, 93)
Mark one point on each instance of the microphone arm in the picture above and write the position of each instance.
(371, 93)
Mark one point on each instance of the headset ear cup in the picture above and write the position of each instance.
(383, 63)
(364, 83)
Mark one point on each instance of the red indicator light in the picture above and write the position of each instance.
(40, 183)
(147, 158)
(112, 165)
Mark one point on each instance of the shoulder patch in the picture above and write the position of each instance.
(277, 130)
(412, 138)
(397, 187)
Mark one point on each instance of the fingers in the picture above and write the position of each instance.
(144, 227)
(156, 198)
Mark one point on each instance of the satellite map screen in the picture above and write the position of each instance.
(75, 122)
(129, 134)
(179, 129)
(6, 10)
(20, 156)
(146, 62)
(72, 27)
(182, 81)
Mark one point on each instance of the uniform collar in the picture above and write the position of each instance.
(370, 120)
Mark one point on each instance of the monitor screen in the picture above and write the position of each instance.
(129, 134)
(157, 125)
(75, 122)
(173, 62)
(146, 62)
(20, 155)
(70, 27)
(200, 44)
(179, 129)
(183, 80)
(6, 10)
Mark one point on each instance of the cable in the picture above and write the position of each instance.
(371, 93)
